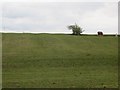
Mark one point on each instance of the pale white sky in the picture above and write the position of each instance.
(50, 17)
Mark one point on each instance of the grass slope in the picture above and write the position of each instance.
(53, 61)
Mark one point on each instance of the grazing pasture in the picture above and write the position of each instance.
(59, 61)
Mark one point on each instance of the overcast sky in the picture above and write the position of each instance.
(54, 17)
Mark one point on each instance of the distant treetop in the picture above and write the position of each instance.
(77, 30)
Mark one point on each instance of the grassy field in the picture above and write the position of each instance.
(54, 61)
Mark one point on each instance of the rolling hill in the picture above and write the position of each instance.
(59, 61)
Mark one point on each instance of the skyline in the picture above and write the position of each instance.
(54, 17)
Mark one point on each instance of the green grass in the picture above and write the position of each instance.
(54, 61)
(0, 61)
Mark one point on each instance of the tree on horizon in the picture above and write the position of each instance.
(77, 30)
